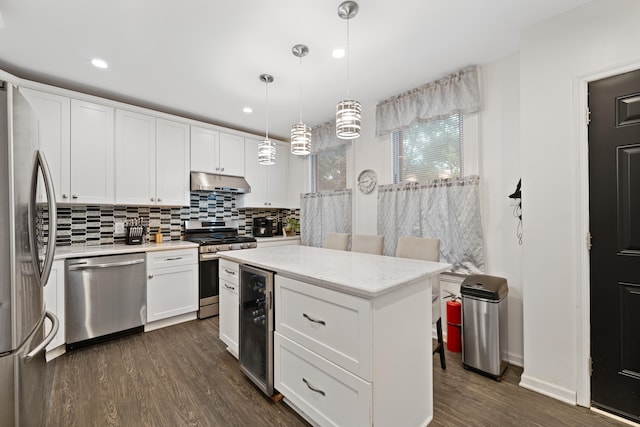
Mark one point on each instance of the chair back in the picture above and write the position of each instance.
(369, 244)
(422, 248)
(339, 241)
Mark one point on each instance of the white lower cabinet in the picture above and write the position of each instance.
(229, 305)
(54, 302)
(172, 283)
(325, 392)
(345, 360)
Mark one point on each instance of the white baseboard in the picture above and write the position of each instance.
(548, 389)
(170, 321)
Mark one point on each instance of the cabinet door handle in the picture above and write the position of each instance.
(64, 196)
(159, 199)
(151, 276)
(231, 272)
(74, 196)
(153, 200)
(312, 388)
(311, 319)
(222, 169)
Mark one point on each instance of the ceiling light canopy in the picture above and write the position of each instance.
(300, 132)
(266, 147)
(348, 111)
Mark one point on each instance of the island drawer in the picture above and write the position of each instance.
(172, 258)
(326, 393)
(334, 325)
(230, 271)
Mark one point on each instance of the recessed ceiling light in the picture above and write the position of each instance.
(338, 53)
(247, 110)
(99, 63)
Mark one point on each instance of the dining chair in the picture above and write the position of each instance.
(426, 249)
(369, 244)
(339, 241)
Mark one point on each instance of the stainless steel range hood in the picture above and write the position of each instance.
(201, 181)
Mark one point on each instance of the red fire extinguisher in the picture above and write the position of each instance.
(454, 325)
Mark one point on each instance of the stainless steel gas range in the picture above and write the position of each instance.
(213, 237)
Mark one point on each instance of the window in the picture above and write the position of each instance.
(429, 150)
(330, 169)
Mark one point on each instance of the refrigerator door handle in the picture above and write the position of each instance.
(41, 164)
(52, 333)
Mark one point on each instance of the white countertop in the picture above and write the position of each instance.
(276, 238)
(359, 274)
(63, 252)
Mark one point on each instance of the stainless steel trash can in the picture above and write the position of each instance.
(484, 324)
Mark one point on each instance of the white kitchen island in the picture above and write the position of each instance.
(352, 340)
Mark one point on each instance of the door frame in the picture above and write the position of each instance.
(581, 230)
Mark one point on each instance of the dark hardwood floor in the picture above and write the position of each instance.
(183, 376)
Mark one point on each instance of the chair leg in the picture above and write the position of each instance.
(440, 347)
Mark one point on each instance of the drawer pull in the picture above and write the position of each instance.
(226, 270)
(229, 287)
(311, 319)
(317, 390)
(173, 259)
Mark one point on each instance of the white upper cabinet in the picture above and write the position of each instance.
(54, 133)
(268, 183)
(172, 163)
(135, 158)
(152, 160)
(91, 153)
(216, 152)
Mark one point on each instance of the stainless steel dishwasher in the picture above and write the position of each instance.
(105, 295)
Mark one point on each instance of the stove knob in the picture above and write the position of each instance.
(219, 248)
(211, 249)
(244, 245)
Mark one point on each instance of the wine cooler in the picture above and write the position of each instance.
(256, 326)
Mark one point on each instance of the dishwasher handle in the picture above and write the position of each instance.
(85, 264)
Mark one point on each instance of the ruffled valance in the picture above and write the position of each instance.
(456, 93)
(323, 137)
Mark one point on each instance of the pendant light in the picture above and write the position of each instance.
(348, 111)
(300, 133)
(266, 147)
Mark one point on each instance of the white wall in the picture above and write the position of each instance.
(496, 159)
(554, 56)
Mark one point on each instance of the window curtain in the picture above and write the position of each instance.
(323, 137)
(456, 93)
(446, 209)
(324, 212)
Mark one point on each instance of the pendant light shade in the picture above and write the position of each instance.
(348, 111)
(300, 132)
(266, 147)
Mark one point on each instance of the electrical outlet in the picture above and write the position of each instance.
(154, 223)
(119, 228)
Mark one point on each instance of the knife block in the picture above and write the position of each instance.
(134, 234)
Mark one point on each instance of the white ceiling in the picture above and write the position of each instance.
(202, 58)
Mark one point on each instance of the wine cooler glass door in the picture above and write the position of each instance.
(256, 326)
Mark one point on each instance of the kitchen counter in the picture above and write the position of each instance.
(354, 273)
(352, 334)
(277, 239)
(64, 252)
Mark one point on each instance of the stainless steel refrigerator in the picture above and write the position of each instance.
(26, 200)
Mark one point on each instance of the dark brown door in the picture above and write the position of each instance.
(614, 182)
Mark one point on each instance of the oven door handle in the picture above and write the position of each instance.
(209, 257)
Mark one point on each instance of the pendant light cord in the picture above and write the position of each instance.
(348, 60)
(266, 90)
(300, 100)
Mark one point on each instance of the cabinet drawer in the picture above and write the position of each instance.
(229, 271)
(334, 325)
(328, 394)
(173, 258)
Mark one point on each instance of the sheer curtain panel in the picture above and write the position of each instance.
(323, 212)
(454, 94)
(445, 209)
